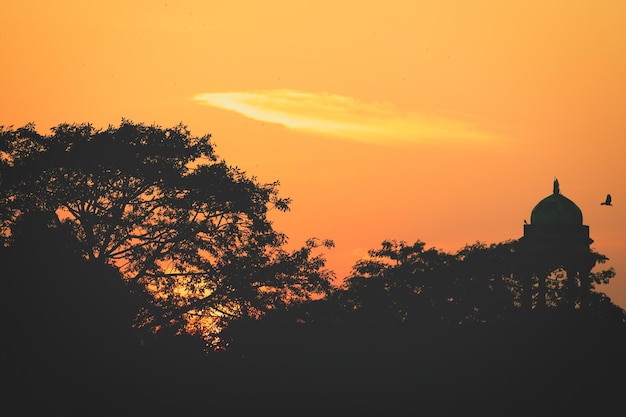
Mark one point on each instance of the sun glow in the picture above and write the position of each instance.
(345, 117)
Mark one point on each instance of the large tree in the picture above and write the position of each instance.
(188, 232)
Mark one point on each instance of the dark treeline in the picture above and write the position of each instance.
(141, 275)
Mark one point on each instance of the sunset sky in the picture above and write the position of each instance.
(443, 121)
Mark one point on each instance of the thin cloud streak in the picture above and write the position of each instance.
(346, 117)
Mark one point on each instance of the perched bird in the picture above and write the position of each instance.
(607, 202)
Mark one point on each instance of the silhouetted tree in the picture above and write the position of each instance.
(479, 283)
(189, 234)
(485, 281)
(67, 321)
(406, 282)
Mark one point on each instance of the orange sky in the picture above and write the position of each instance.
(444, 121)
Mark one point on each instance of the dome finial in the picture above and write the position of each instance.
(556, 187)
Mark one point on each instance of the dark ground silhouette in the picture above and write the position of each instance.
(71, 352)
(413, 332)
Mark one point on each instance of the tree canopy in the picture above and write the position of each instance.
(189, 233)
(404, 282)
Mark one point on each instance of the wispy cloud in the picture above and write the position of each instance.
(346, 117)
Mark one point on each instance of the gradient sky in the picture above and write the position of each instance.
(444, 121)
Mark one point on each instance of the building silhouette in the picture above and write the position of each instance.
(556, 254)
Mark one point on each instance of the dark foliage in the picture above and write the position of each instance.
(420, 332)
(103, 227)
(189, 234)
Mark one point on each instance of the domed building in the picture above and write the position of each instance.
(556, 224)
(556, 240)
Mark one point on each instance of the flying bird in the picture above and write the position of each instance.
(607, 202)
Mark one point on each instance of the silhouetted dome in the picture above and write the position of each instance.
(556, 209)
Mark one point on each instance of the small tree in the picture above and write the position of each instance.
(409, 282)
